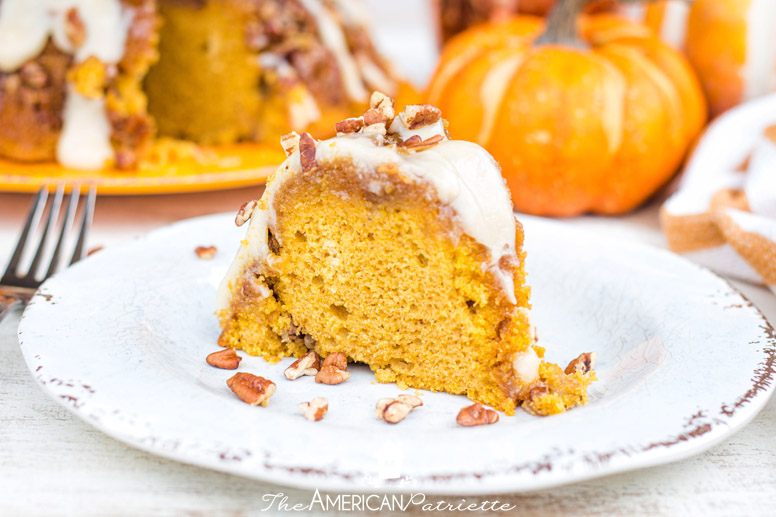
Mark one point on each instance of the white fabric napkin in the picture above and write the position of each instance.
(724, 214)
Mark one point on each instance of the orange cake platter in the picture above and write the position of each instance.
(209, 168)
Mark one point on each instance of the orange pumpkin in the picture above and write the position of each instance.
(730, 43)
(588, 121)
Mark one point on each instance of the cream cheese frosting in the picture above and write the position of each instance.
(463, 174)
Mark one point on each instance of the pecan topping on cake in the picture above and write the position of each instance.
(416, 143)
(224, 359)
(33, 75)
(476, 415)
(411, 141)
(308, 364)
(416, 116)
(349, 125)
(307, 152)
(251, 389)
(379, 122)
(376, 129)
(245, 212)
(315, 410)
(373, 116)
(290, 142)
(383, 105)
(74, 27)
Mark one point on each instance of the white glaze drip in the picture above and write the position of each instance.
(333, 38)
(24, 30)
(85, 139)
(25, 27)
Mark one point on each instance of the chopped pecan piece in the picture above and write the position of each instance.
(395, 410)
(349, 125)
(411, 141)
(536, 391)
(373, 116)
(584, 363)
(74, 27)
(476, 415)
(314, 410)
(383, 104)
(337, 360)
(11, 83)
(307, 152)
(381, 403)
(33, 75)
(416, 116)
(224, 359)
(392, 411)
(334, 369)
(245, 212)
(205, 252)
(429, 142)
(331, 375)
(125, 159)
(410, 400)
(377, 129)
(290, 142)
(251, 389)
(415, 143)
(308, 364)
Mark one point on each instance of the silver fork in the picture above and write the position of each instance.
(18, 287)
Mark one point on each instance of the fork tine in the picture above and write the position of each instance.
(86, 223)
(50, 221)
(67, 224)
(36, 208)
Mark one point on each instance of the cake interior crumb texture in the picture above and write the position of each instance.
(390, 281)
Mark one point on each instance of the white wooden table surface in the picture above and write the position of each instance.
(51, 463)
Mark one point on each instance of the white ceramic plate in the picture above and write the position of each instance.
(684, 362)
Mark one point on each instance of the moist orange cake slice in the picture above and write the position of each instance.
(398, 247)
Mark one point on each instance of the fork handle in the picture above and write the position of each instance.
(8, 301)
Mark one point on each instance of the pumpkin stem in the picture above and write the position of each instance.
(561, 27)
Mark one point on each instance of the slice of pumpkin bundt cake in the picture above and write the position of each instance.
(398, 247)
